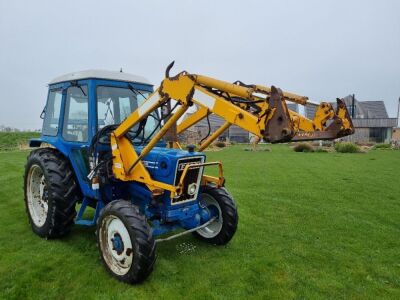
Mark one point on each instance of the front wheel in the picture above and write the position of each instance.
(126, 245)
(220, 205)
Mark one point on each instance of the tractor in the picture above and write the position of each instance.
(110, 142)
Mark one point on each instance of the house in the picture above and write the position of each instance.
(370, 120)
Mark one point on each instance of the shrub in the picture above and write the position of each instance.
(321, 150)
(220, 144)
(303, 147)
(369, 144)
(322, 143)
(347, 148)
(259, 149)
(382, 146)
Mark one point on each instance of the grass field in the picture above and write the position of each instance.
(13, 140)
(312, 226)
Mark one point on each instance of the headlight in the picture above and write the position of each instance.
(192, 188)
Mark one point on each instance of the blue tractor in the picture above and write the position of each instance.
(82, 110)
(109, 141)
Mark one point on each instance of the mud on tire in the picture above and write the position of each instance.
(132, 260)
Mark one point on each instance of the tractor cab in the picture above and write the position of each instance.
(82, 103)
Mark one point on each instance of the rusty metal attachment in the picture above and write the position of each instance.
(279, 127)
(340, 124)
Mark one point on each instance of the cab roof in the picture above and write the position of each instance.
(100, 74)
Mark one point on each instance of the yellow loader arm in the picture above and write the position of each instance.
(270, 118)
(257, 109)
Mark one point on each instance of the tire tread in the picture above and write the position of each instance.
(229, 213)
(141, 235)
(63, 191)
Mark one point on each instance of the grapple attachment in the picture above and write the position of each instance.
(285, 125)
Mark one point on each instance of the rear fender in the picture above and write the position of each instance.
(54, 142)
(37, 142)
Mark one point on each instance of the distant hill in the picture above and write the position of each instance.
(15, 140)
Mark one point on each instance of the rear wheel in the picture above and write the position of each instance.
(220, 205)
(125, 242)
(50, 193)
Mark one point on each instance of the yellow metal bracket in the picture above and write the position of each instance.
(123, 157)
(219, 181)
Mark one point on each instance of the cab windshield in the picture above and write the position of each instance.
(115, 104)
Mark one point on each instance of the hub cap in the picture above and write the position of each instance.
(37, 196)
(214, 228)
(116, 245)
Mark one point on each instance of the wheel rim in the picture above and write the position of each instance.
(116, 245)
(37, 195)
(214, 228)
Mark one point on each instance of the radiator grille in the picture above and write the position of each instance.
(193, 176)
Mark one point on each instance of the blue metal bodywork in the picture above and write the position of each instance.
(161, 163)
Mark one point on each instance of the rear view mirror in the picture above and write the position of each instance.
(43, 113)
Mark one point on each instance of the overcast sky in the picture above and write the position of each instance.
(322, 49)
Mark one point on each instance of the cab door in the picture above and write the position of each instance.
(76, 133)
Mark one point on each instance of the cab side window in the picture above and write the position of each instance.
(76, 119)
(52, 113)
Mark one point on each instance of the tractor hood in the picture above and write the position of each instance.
(162, 162)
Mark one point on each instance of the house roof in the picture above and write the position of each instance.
(100, 74)
(367, 109)
(363, 109)
(374, 109)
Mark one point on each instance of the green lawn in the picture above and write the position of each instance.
(12, 140)
(312, 226)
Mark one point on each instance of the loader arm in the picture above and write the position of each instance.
(257, 109)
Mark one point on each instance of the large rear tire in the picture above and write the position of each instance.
(222, 206)
(125, 242)
(50, 192)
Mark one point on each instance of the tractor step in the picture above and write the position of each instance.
(84, 222)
